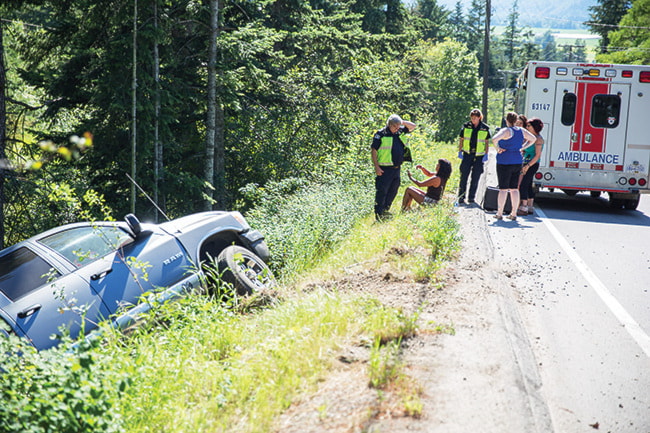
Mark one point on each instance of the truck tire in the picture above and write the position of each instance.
(631, 204)
(244, 270)
(616, 203)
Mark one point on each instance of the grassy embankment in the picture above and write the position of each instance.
(211, 369)
(202, 366)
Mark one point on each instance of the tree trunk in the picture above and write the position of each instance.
(134, 86)
(220, 146)
(212, 108)
(219, 160)
(3, 137)
(159, 181)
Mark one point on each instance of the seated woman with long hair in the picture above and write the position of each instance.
(435, 185)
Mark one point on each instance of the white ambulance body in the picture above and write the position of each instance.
(596, 127)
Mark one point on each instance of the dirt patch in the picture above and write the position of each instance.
(467, 374)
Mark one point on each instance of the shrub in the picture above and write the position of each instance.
(56, 391)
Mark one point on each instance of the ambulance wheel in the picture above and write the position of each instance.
(632, 203)
(595, 194)
(616, 203)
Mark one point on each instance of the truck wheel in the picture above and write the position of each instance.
(632, 204)
(244, 270)
(616, 203)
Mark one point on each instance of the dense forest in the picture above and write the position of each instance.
(212, 104)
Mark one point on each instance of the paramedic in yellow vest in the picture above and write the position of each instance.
(472, 147)
(387, 151)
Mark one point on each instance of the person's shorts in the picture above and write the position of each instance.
(508, 175)
(429, 201)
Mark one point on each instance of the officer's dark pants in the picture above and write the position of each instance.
(474, 164)
(386, 187)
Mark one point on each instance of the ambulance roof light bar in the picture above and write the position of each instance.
(644, 77)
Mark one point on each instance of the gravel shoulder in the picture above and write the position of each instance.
(482, 377)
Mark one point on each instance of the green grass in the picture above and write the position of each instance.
(416, 243)
(211, 370)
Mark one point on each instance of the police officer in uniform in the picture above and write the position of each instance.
(473, 146)
(387, 151)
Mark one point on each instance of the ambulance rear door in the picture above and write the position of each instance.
(589, 130)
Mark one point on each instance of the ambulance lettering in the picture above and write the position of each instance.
(597, 158)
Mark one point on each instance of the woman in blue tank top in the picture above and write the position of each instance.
(508, 143)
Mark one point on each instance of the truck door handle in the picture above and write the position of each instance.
(587, 138)
(101, 274)
(29, 311)
(574, 137)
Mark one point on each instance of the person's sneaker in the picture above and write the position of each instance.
(461, 202)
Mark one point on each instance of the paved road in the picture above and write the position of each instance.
(581, 275)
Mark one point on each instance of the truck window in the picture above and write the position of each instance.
(84, 245)
(569, 102)
(605, 111)
(22, 272)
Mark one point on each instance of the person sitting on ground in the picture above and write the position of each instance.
(435, 185)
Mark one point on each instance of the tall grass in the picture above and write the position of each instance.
(233, 373)
(304, 219)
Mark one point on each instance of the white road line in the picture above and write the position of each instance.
(632, 327)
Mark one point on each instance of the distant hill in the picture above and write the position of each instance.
(557, 14)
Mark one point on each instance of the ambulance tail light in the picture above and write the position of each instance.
(542, 72)
(644, 77)
(538, 175)
(632, 181)
(642, 182)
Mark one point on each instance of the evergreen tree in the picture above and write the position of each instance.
(434, 20)
(549, 47)
(604, 18)
(475, 28)
(457, 23)
(512, 36)
(631, 42)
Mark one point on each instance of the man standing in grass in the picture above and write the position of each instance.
(472, 147)
(387, 151)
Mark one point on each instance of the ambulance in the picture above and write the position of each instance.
(596, 127)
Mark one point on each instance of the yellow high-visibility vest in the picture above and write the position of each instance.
(481, 137)
(385, 151)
